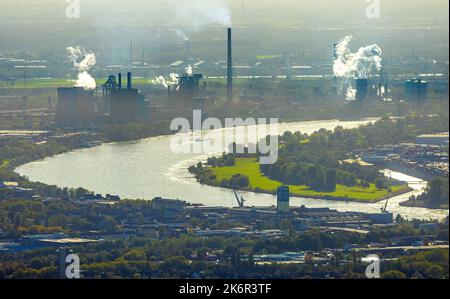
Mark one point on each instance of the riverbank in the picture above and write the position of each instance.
(331, 198)
(421, 204)
(259, 183)
(146, 169)
(110, 135)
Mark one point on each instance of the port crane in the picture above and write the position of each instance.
(241, 200)
(384, 209)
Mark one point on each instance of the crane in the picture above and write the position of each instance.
(241, 201)
(384, 209)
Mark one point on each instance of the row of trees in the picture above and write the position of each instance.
(435, 196)
(316, 160)
(187, 257)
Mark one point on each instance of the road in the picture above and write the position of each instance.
(401, 248)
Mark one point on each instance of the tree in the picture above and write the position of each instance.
(394, 274)
(380, 184)
(435, 272)
(240, 181)
(438, 191)
(286, 225)
(174, 264)
(316, 178)
(330, 180)
(108, 224)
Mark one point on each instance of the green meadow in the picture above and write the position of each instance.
(250, 167)
(54, 83)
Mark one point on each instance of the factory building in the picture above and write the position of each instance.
(159, 203)
(187, 87)
(256, 214)
(441, 139)
(126, 105)
(303, 217)
(283, 199)
(416, 90)
(75, 108)
(383, 218)
(362, 89)
(230, 66)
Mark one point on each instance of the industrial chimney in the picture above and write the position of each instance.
(230, 68)
(129, 83)
(362, 89)
(120, 81)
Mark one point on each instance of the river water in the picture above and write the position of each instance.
(148, 168)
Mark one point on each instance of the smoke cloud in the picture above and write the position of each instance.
(189, 70)
(83, 62)
(173, 78)
(165, 82)
(350, 65)
(180, 34)
(356, 65)
(199, 13)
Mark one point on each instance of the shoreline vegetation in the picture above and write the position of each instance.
(435, 196)
(258, 179)
(420, 204)
(315, 166)
(11, 159)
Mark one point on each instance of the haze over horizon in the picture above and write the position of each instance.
(108, 26)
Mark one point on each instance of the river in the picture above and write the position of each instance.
(148, 168)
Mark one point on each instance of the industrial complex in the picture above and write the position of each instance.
(81, 108)
(117, 104)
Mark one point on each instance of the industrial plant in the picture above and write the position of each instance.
(356, 77)
(82, 107)
(224, 139)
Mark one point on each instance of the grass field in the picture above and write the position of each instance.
(61, 82)
(250, 168)
(268, 57)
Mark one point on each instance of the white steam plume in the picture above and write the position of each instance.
(349, 65)
(199, 13)
(356, 65)
(180, 34)
(189, 70)
(173, 78)
(83, 62)
(350, 95)
(165, 82)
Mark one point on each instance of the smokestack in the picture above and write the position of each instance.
(129, 83)
(62, 254)
(120, 81)
(362, 89)
(230, 67)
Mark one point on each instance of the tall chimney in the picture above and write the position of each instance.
(129, 83)
(230, 68)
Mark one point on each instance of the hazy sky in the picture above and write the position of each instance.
(43, 25)
(162, 10)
